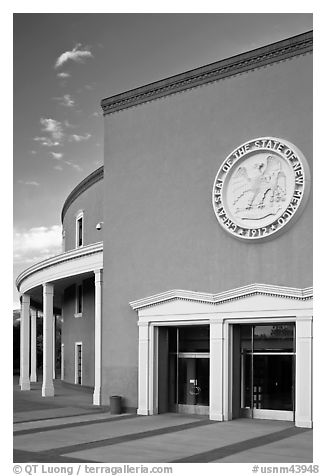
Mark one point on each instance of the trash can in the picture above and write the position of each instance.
(115, 404)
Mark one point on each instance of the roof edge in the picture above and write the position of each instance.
(69, 255)
(281, 50)
(88, 181)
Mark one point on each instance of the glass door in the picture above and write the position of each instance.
(188, 369)
(193, 383)
(267, 371)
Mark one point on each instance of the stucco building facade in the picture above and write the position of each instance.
(186, 273)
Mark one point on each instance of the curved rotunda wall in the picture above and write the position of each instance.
(79, 329)
(87, 197)
(89, 200)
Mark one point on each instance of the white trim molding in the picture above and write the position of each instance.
(71, 263)
(79, 216)
(255, 303)
(79, 343)
(98, 279)
(236, 293)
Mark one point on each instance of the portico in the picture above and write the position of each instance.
(41, 287)
(283, 319)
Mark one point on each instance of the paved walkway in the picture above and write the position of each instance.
(68, 429)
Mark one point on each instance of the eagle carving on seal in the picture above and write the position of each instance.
(257, 189)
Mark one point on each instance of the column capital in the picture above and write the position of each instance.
(25, 298)
(304, 328)
(48, 288)
(216, 329)
(98, 275)
(216, 320)
(142, 324)
(307, 317)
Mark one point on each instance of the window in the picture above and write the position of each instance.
(78, 362)
(78, 300)
(79, 229)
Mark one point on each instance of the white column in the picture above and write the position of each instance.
(24, 343)
(216, 370)
(33, 346)
(227, 371)
(152, 370)
(47, 387)
(143, 369)
(303, 372)
(98, 337)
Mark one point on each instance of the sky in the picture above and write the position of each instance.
(64, 64)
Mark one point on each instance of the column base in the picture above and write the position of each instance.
(97, 397)
(141, 411)
(33, 378)
(48, 391)
(216, 416)
(25, 386)
(303, 423)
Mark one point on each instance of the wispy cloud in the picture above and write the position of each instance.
(63, 75)
(36, 243)
(26, 182)
(55, 131)
(67, 124)
(47, 141)
(53, 127)
(66, 100)
(57, 155)
(77, 54)
(79, 138)
(73, 165)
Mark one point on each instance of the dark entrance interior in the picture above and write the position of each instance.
(183, 369)
(263, 370)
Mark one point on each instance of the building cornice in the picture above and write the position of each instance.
(92, 178)
(250, 60)
(70, 255)
(225, 296)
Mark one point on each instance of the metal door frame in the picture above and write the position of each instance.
(260, 413)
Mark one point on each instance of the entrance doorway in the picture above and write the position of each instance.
(264, 365)
(183, 369)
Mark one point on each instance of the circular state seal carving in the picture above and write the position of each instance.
(260, 188)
